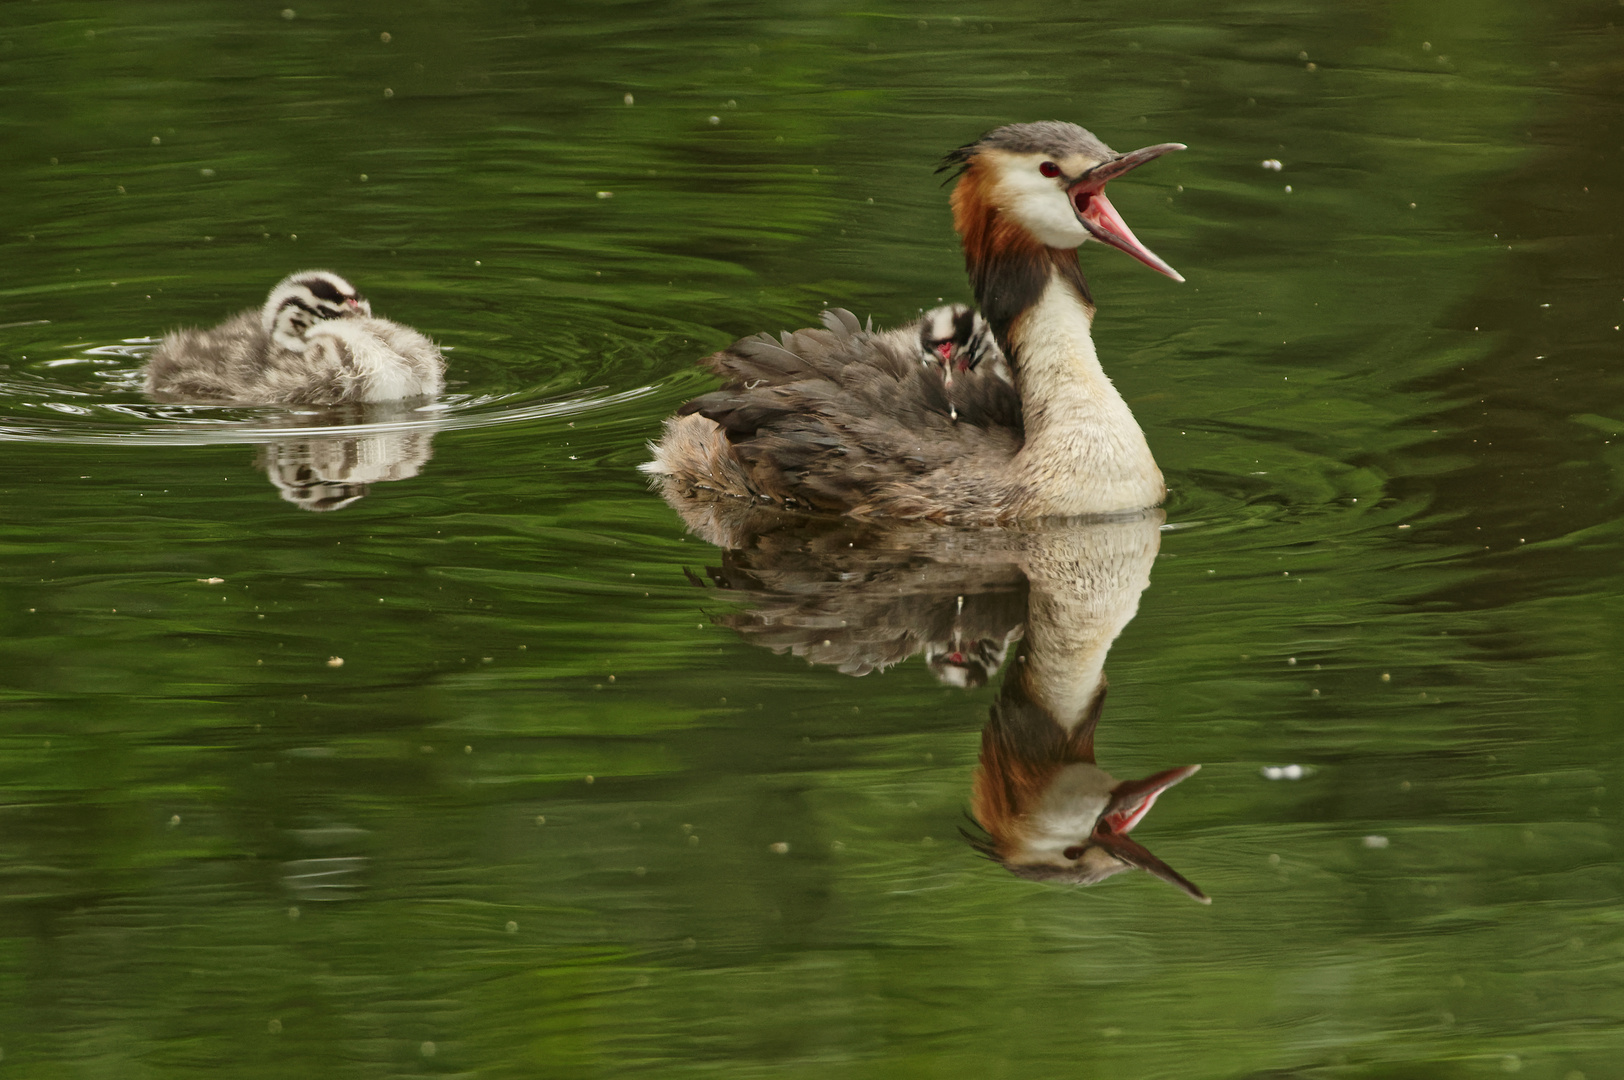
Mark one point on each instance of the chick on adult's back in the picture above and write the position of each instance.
(314, 342)
(836, 421)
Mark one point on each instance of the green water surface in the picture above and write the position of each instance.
(554, 814)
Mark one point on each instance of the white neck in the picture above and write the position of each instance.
(1084, 452)
(1085, 582)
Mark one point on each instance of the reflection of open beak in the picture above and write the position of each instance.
(1130, 801)
(1133, 853)
(1101, 219)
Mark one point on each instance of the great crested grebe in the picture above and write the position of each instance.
(1043, 601)
(837, 420)
(314, 342)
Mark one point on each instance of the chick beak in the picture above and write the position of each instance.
(1101, 219)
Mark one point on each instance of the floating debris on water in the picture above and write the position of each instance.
(1284, 772)
(1272, 164)
(1374, 841)
(335, 661)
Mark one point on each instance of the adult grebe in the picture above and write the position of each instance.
(314, 342)
(842, 420)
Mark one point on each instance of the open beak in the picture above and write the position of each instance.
(1130, 801)
(1101, 219)
(1133, 853)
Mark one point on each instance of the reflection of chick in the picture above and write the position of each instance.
(331, 473)
(315, 342)
(967, 664)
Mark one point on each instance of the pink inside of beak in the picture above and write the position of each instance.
(1107, 225)
(945, 350)
(353, 304)
(1124, 820)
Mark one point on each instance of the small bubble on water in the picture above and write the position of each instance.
(289, 13)
(274, 1027)
(628, 99)
(207, 174)
(388, 93)
(714, 120)
(780, 848)
(1374, 841)
(428, 1049)
(512, 927)
(155, 142)
(385, 37)
(335, 661)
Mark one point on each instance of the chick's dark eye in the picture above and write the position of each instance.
(1049, 168)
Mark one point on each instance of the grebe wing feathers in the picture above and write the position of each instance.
(845, 420)
(193, 365)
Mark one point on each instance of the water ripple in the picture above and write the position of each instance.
(92, 384)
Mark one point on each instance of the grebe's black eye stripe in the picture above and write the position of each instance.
(324, 289)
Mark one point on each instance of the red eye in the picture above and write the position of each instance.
(1049, 168)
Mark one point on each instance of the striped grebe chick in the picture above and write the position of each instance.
(314, 342)
(955, 338)
(841, 420)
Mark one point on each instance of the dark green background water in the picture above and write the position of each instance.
(1388, 404)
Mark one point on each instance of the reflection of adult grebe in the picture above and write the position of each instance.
(837, 420)
(314, 342)
(863, 598)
